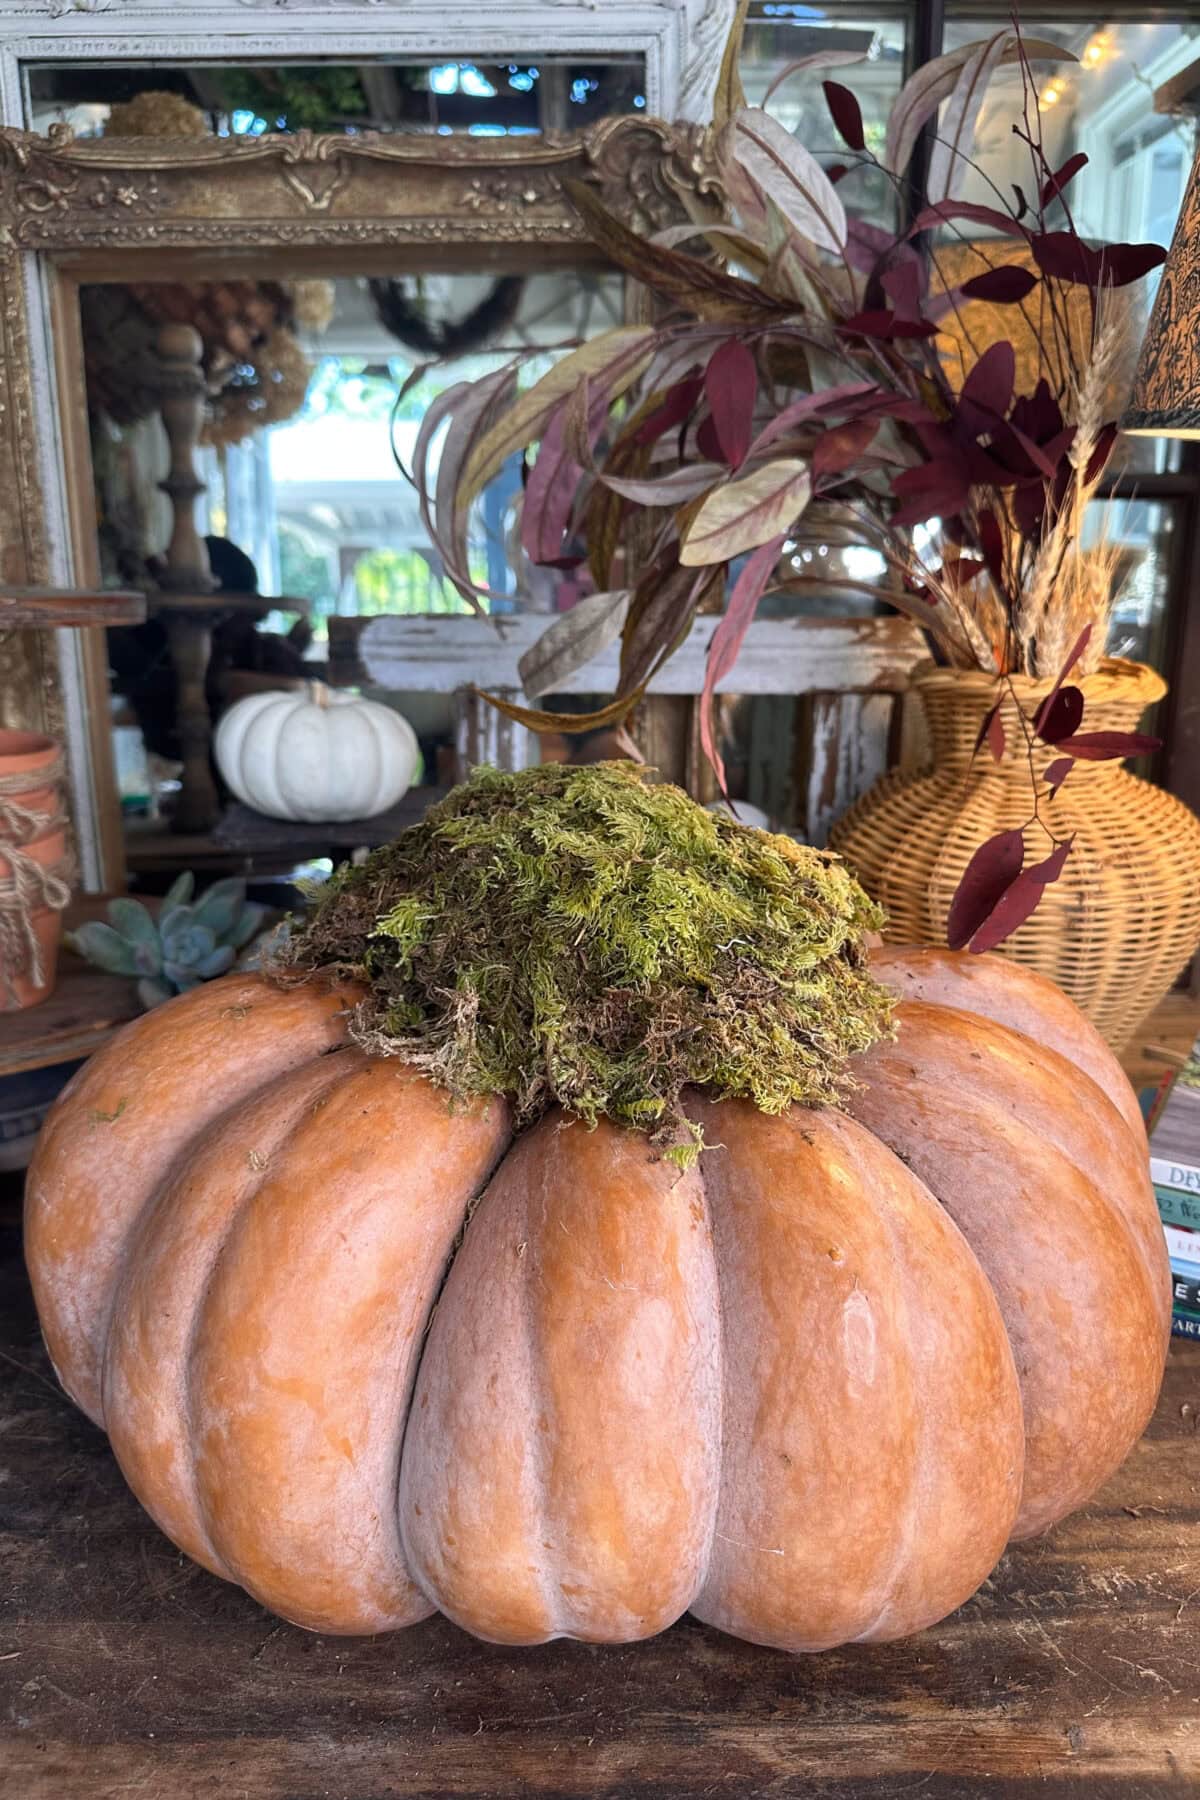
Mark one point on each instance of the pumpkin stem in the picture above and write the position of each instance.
(319, 693)
(586, 937)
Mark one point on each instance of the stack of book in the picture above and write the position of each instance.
(1175, 1171)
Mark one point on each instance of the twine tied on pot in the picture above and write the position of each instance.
(29, 886)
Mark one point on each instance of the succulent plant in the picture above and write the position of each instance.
(185, 945)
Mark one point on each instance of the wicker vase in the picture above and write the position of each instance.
(1124, 917)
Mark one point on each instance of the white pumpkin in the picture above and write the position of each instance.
(316, 755)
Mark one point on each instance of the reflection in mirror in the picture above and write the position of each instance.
(309, 395)
(481, 98)
(779, 36)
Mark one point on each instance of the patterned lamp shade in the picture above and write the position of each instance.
(1166, 390)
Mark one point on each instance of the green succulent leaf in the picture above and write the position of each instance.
(131, 920)
(216, 964)
(101, 945)
(219, 906)
(248, 924)
(182, 977)
(148, 957)
(172, 920)
(179, 893)
(152, 993)
(187, 945)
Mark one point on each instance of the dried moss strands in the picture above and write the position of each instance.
(586, 937)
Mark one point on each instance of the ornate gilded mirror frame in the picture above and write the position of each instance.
(114, 209)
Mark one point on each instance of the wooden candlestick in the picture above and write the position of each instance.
(187, 584)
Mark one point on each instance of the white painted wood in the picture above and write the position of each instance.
(681, 40)
(483, 734)
(437, 654)
(849, 750)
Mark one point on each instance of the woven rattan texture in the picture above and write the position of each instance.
(1124, 917)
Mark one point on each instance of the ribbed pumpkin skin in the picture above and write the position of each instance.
(318, 755)
(808, 1391)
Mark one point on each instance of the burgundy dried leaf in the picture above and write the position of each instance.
(990, 872)
(1002, 286)
(1057, 773)
(1027, 456)
(1124, 263)
(708, 443)
(846, 114)
(1098, 461)
(930, 489)
(948, 212)
(840, 448)
(1065, 256)
(727, 639)
(1108, 746)
(884, 325)
(957, 573)
(837, 172)
(678, 405)
(1059, 714)
(1055, 184)
(869, 245)
(550, 494)
(731, 387)
(1038, 413)
(1022, 202)
(1020, 901)
(904, 283)
(992, 733)
(991, 381)
(835, 399)
(1077, 649)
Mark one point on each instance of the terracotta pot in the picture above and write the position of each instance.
(21, 990)
(1124, 917)
(26, 754)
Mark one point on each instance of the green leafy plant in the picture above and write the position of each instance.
(185, 945)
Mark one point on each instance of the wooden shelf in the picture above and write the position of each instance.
(82, 1013)
(53, 609)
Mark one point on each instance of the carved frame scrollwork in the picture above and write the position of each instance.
(70, 208)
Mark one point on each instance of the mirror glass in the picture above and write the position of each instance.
(314, 391)
(479, 97)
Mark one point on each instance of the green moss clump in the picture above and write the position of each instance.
(587, 937)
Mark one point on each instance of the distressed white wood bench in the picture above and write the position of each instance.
(850, 673)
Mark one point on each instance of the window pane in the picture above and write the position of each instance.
(1103, 105)
(778, 34)
(1140, 535)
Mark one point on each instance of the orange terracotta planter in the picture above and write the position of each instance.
(28, 754)
(21, 990)
(24, 757)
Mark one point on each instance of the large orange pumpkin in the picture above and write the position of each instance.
(808, 1390)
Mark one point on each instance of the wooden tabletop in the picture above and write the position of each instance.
(127, 1673)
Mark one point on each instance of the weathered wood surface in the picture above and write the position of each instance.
(438, 653)
(128, 1674)
(51, 609)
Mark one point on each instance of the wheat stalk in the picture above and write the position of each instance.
(1070, 587)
